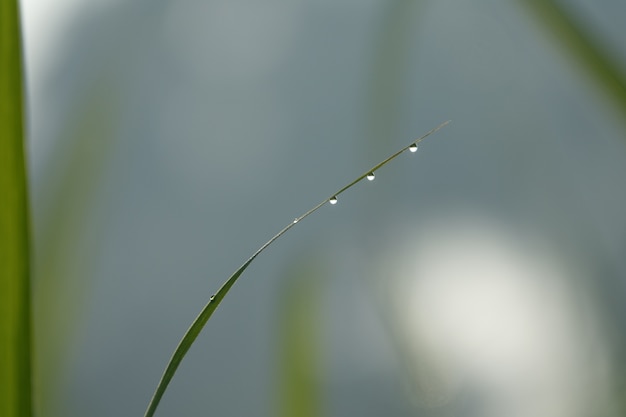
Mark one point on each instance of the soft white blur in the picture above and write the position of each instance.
(46, 27)
(497, 319)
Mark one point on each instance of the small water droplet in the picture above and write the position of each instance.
(371, 176)
(333, 200)
(212, 297)
(413, 147)
(295, 220)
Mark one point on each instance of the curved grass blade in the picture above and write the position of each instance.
(15, 316)
(198, 324)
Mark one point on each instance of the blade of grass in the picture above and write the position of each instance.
(197, 325)
(583, 47)
(15, 328)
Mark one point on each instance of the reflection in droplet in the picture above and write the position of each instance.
(371, 176)
(413, 148)
(333, 200)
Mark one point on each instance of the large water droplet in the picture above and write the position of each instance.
(333, 200)
(413, 147)
(371, 176)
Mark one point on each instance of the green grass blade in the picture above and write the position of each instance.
(15, 340)
(198, 324)
(583, 47)
(190, 337)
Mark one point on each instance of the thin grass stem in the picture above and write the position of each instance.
(197, 325)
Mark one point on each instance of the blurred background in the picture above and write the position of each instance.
(484, 275)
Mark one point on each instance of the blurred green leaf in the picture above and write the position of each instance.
(300, 338)
(63, 225)
(581, 45)
(15, 348)
(390, 68)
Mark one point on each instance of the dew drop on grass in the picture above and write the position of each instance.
(212, 297)
(371, 176)
(333, 200)
(413, 147)
(295, 220)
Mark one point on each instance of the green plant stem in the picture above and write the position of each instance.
(197, 325)
(15, 323)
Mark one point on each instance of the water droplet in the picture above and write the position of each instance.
(295, 220)
(333, 200)
(371, 176)
(413, 147)
(212, 297)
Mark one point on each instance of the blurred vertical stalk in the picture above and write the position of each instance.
(65, 246)
(579, 43)
(15, 320)
(391, 56)
(300, 339)
(389, 73)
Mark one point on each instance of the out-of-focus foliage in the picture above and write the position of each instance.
(15, 328)
(577, 41)
(300, 341)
